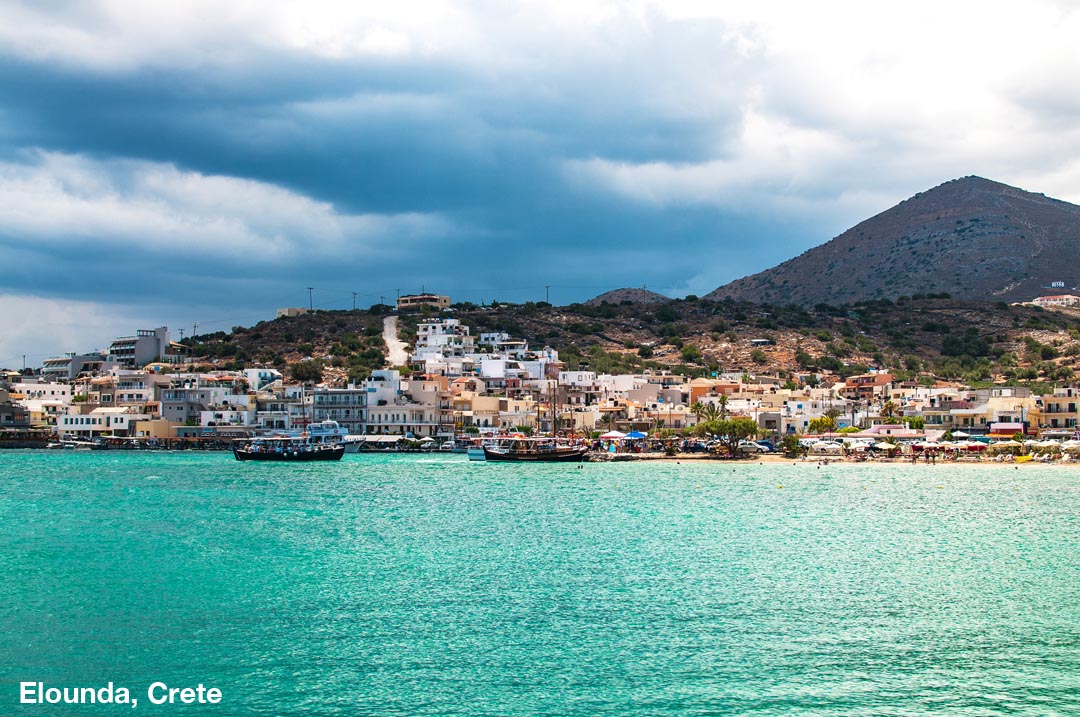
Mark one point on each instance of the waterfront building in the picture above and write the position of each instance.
(1060, 410)
(114, 421)
(347, 406)
(43, 401)
(12, 415)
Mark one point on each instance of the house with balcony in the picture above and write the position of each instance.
(1059, 410)
(867, 386)
(146, 346)
(347, 406)
(70, 366)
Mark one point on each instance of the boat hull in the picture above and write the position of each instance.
(570, 455)
(326, 454)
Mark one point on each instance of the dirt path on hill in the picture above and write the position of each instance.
(399, 355)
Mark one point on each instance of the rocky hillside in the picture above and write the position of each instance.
(922, 337)
(335, 345)
(971, 238)
(629, 296)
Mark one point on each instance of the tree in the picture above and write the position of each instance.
(609, 419)
(308, 371)
(710, 413)
(915, 423)
(723, 401)
(733, 431)
(790, 446)
(698, 409)
(826, 423)
(889, 409)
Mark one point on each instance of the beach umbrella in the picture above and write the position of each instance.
(961, 434)
(1048, 444)
(883, 446)
(634, 435)
(974, 446)
(612, 435)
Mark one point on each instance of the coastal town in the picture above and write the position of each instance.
(451, 385)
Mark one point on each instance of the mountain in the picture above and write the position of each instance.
(971, 238)
(633, 296)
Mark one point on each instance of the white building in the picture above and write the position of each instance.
(114, 421)
(448, 337)
(1057, 300)
(146, 346)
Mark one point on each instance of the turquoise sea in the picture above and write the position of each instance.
(409, 585)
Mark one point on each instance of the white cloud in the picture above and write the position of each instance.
(42, 328)
(119, 35)
(63, 199)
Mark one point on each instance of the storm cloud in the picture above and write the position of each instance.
(207, 163)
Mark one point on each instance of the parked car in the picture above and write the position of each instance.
(751, 447)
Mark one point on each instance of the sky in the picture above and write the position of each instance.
(204, 162)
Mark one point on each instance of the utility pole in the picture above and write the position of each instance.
(194, 330)
(381, 302)
(311, 306)
(547, 293)
(354, 301)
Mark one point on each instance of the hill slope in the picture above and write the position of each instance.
(632, 296)
(918, 337)
(972, 238)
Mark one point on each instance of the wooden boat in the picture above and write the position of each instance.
(535, 450)
(287, 448)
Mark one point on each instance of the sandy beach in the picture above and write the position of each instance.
(822, 461)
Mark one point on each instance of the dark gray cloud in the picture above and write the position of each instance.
(167, 161)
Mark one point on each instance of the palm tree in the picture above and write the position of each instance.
(723, 401)
(889, 409)
(698, 409)
(710, 412)
(831, 415)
